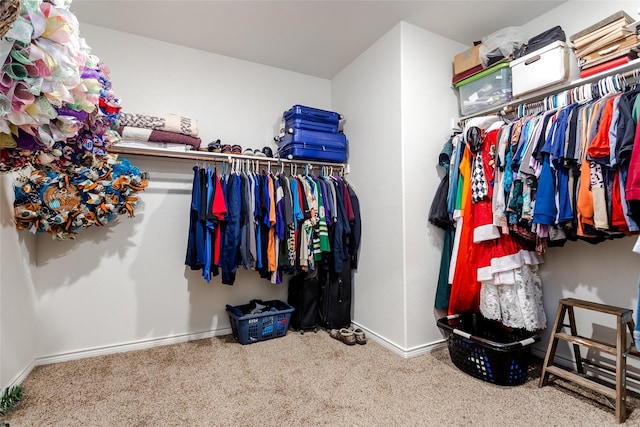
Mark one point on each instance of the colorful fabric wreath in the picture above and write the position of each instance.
(58, 117)
(56, 102)
(60, 203)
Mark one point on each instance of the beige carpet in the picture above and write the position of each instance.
(296, 380)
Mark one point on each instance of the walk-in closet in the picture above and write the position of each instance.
(126, 320)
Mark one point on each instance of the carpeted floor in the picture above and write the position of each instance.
(296, 380)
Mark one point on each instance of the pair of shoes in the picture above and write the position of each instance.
(231, 149)
(360, 336)
(248, 152)
(344, 335)
(267, 151)
(212, 147)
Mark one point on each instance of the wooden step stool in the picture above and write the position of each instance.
(620, 350)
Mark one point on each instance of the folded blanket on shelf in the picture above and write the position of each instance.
(166, 122)
(150, 135)
(124, 143)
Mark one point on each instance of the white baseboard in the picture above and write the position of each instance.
(116, 348)
(176, 339)
(132, 346)
(22, 375)
(395, 348)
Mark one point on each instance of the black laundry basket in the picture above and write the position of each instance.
(487, 349)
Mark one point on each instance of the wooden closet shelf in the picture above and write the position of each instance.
(208, 156)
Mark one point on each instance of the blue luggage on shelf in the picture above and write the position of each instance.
(309, 118)
(305, 144)
(295, 123)
(311, 114)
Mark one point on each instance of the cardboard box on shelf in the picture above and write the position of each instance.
(467, 60)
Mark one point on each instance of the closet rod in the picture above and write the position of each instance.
(209, 156)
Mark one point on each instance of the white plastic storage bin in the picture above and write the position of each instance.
(553, 64)
(485, 89)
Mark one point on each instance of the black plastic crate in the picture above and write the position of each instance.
(487, 349)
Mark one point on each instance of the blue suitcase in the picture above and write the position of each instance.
(309, 118)
(297, 123)
(311, 114)
(313, 145)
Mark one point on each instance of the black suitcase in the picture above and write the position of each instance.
(335, 298)
(304, 296)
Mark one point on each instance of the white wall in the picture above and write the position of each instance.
(428, 105)
(17, 298)
(127, 283)
(607, 272)
(396, 129)
(368, 93)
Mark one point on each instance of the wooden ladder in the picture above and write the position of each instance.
(624, 322)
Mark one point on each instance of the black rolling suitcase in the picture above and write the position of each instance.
(335, 298)
(304, 295)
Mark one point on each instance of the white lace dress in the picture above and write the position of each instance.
(515, 298)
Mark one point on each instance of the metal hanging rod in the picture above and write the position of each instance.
(209, 156)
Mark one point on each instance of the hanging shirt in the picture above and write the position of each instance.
(220, 212)
(210, 228)
(195, 244)
(323, 230)
(271, 248)
(258, 219)
(229, 258)
(279, 229)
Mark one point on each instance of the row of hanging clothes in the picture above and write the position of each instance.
(565, 168)
(272, 223)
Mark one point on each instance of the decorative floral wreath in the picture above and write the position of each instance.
(61, 202)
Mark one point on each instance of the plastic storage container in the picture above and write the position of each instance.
(488, 350)
(484, 90)
(553, 64)
(251, 328)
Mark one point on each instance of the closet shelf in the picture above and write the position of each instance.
(209, 156)
(508, 107)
